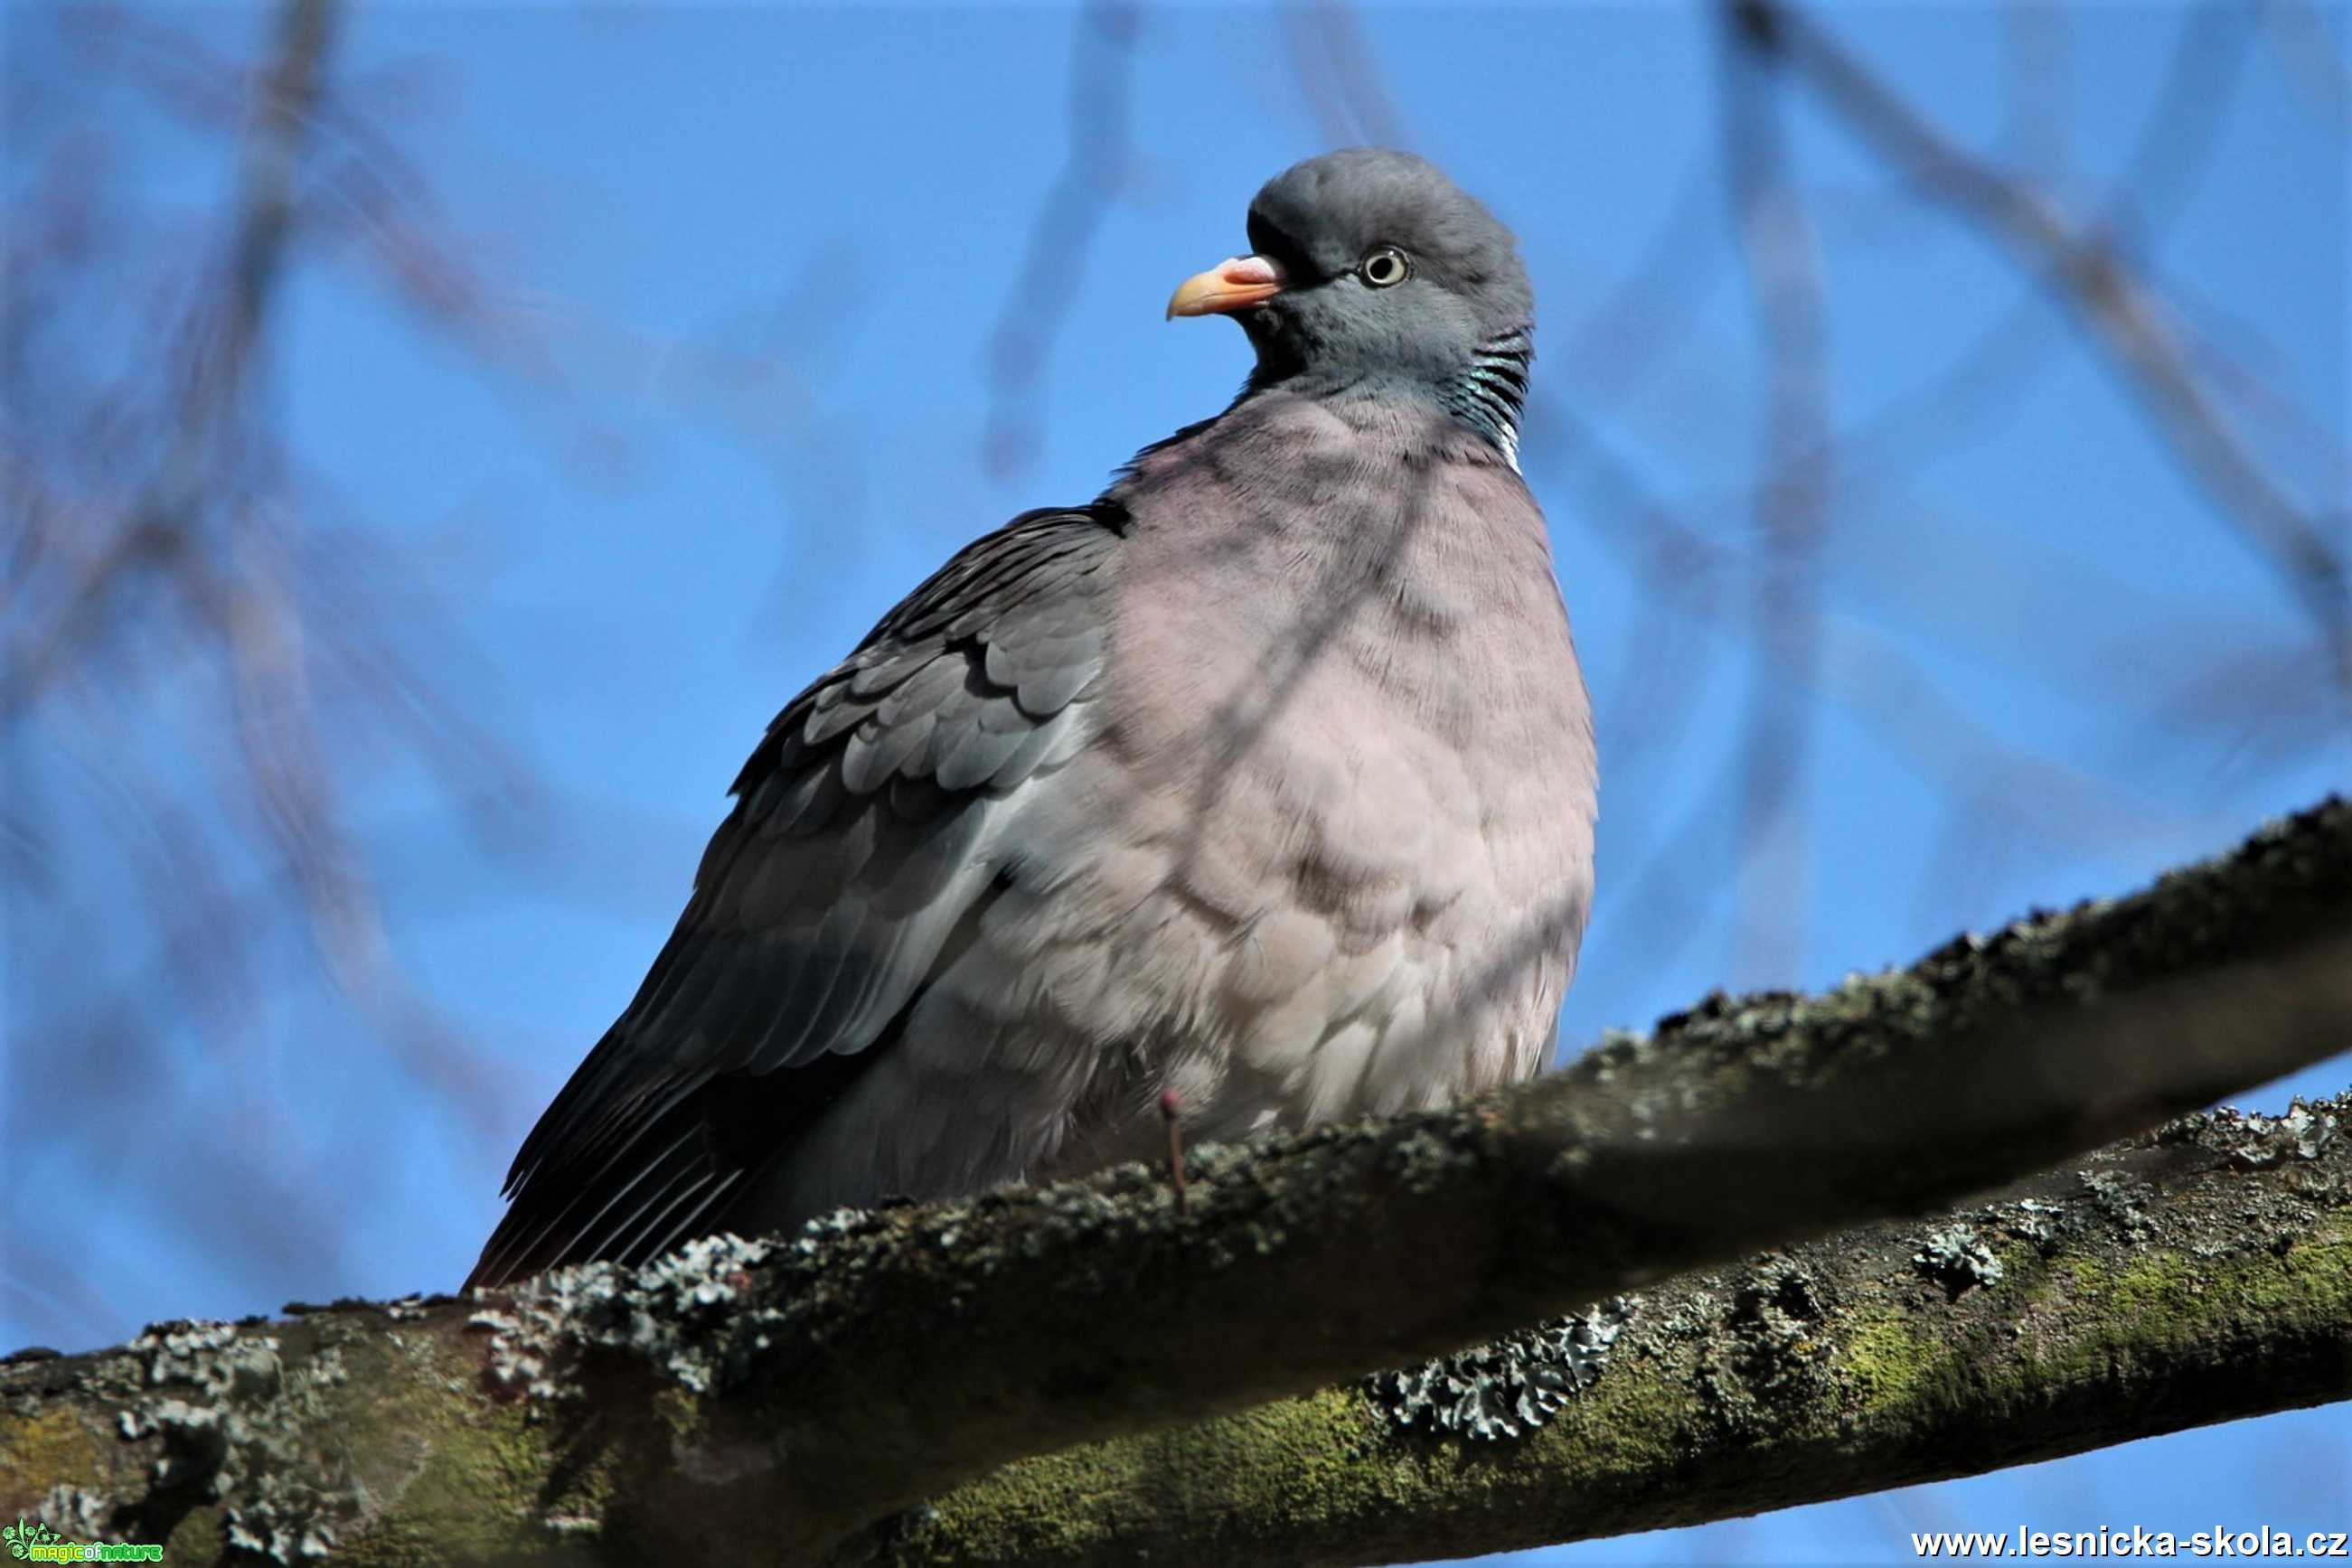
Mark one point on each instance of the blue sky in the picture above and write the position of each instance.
(727, 395)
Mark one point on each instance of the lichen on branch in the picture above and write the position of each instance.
(798, 1397)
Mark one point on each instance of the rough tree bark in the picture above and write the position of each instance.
(1082, 1374)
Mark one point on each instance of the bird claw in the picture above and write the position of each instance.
(1172, 1110)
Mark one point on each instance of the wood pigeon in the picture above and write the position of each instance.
(1263, 784)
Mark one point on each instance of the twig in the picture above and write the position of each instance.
(1793, 506)
(1093, 175)
(2124, 312)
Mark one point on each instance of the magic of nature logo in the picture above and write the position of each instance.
(32, 1540)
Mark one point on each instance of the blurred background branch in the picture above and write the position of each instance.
(2122, 311)
(1794, 503)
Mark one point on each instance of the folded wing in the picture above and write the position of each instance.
(868, 832)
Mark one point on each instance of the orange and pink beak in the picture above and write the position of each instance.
(1228, 287)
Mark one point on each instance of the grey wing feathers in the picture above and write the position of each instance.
(864, 836)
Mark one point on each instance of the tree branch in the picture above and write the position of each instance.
(2124, 314)
(782, 1400)
(2195, 1275)
(216, 362)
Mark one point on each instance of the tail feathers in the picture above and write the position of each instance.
(681, 1176)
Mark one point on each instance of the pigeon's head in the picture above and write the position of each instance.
(1368, 268)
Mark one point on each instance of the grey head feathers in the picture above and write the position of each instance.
(1456, 329)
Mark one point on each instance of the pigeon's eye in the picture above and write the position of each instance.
(1384, 266)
